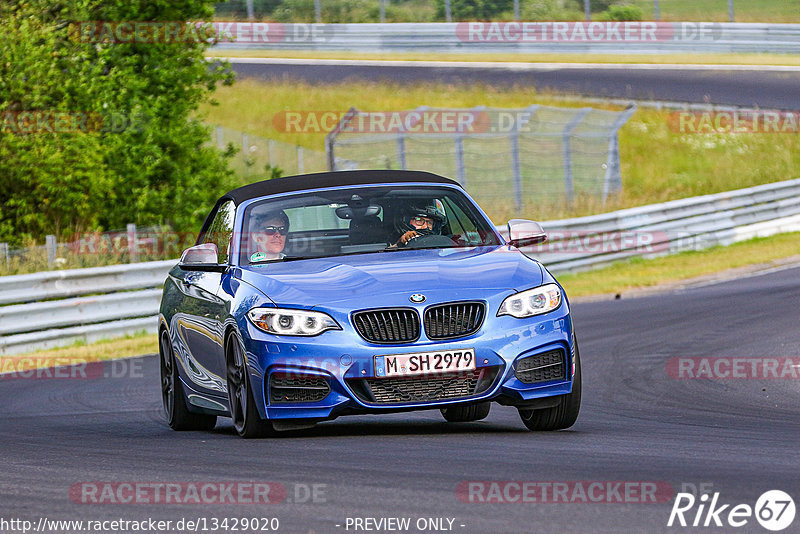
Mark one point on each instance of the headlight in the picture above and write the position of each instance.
(531, 302)
(285, 322)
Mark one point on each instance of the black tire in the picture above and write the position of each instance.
(469, 412)
(246, 419)
(565, 413)
(173, 397)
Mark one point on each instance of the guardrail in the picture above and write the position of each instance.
(55, 308)
(688, 224)
(517, 37)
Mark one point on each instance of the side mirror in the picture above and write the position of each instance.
(201, 258)
(522, 233)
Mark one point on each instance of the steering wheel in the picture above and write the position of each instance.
(430, 240)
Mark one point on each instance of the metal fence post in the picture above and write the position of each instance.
(5, 255)
(516, 10)
(566, 137)
(300, 165)
(317, 11)
(461, 174)
(587, 9)
(250, 11)
(656, 11)
(613, 179)
(516, 169)
(401, 151)
(220, 144)
(51, 247)
(270, 149)
(516, 174)
(448, 13)
(730, 11)
(330, 138)
(132, 249)
(382, 11)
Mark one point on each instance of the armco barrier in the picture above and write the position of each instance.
(659, 229)
(514, 37)
(54, 308)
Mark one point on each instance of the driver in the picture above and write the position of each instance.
(420, 220)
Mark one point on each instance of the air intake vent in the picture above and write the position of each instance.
(414, 389)
(456, 319)
(542, 367)
(388, 325)
(284, 388)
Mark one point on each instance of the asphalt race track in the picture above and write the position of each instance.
(739, 437)
(763, 89)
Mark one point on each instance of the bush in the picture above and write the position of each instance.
(156, 170)
(332, 11)
(544, 10)
(473, 9)
(623, 12)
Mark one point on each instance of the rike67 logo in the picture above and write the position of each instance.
(774, 510)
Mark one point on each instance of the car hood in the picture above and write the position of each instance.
(389, 279)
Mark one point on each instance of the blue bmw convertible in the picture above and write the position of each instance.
(362, 292)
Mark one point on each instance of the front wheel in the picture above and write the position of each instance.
(565, 413)
(246, 419)
(172, 396)
(463, 414)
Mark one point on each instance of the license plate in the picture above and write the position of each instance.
(425, 363)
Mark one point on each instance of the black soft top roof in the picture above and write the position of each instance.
(303, 182)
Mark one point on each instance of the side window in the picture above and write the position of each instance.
(221, 230)
(461, 223)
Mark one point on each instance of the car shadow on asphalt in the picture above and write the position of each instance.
(331, 429)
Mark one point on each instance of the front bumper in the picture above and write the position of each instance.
(347, 365)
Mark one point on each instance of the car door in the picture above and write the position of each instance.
(200, 326)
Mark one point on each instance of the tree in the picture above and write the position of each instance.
(141, 157)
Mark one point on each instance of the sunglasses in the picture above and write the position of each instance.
(422, 220)
(272, 230)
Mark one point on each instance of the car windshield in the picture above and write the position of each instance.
(361, 220)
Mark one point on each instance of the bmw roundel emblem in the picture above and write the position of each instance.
(417, 297)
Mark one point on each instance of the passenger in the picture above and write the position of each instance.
(268, 236)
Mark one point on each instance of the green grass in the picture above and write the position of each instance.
(657, 163)
(642, 273)
(717, 10)
(82, 352)
(671, 10)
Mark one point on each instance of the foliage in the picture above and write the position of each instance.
(546, 10)
(141, 158)
(474, 9)
(332, 11)
(623, 12)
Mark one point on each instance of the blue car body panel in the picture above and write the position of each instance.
(200, 309)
